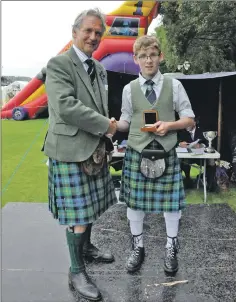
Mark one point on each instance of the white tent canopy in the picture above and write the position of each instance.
(8, 92)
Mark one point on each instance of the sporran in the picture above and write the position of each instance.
(153, 163)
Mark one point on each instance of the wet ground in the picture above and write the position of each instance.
(35, 259)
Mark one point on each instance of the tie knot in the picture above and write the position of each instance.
(89, 62)
(149, 82)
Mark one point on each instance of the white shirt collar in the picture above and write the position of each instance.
(192, 132)
(158, 76)
(82, 56)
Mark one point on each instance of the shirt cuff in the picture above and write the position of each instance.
(125, 117)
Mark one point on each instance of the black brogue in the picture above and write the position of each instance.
(135, 259)
(171, 262)
(92, 253)
(82, 286)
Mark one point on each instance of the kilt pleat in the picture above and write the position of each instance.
(163, 194)
(76, 198)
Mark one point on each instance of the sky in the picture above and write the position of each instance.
(35, 31)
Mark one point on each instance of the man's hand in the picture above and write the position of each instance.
(198, 146)
(112, 128)
(183, 144)
(162, 128)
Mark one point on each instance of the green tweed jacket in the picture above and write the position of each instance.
(75, 121)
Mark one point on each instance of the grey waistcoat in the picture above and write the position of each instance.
(137, 139)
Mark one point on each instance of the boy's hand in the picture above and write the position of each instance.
(162, 128)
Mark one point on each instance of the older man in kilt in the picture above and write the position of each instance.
(80, 185)
(156, 188)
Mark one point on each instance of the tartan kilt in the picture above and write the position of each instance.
(76, 198)
(163, 194)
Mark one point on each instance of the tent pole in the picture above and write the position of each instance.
(219, 117)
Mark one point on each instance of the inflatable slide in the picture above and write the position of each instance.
(123, 26)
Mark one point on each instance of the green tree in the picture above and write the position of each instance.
(169, 56)
(202, 32)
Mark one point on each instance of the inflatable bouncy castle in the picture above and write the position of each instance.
(115, 52)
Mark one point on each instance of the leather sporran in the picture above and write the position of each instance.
(94, 164)
(153, 163)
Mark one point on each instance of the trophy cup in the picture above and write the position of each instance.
(210, 135)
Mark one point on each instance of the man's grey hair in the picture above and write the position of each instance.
(90, 12)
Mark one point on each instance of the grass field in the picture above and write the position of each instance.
(24, 172)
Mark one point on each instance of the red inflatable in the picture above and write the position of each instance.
(23, 94)
(36, 106)
(110, 46)
(123, 26)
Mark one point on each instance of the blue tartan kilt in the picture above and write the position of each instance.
(163, 194)
(76, 198)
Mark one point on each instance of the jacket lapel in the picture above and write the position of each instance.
(102, 83)
(82, 73)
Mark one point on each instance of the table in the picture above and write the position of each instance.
(204, 157)
(186, 155)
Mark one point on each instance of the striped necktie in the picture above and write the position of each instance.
(91, 70)
(150, 92)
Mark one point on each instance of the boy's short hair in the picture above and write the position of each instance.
(146, 41)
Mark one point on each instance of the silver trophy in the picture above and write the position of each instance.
(210, 135)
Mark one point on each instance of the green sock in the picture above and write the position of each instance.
(75, 243)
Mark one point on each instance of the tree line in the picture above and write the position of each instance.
(201, 32)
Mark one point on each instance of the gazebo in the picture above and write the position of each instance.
(213, 99)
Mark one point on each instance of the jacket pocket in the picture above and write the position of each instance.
(64, 129)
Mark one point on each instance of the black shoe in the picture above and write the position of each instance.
(171, 262)
(82, 287)
(91, 253)
(135, 259)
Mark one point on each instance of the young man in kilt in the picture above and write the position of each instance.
(80, 185)
(153, 91)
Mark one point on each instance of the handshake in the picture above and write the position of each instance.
(112, 128)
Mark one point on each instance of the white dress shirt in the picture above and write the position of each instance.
(82, 56)
(181, 103)
(192, 133)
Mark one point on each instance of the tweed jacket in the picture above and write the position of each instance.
(76, 123)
